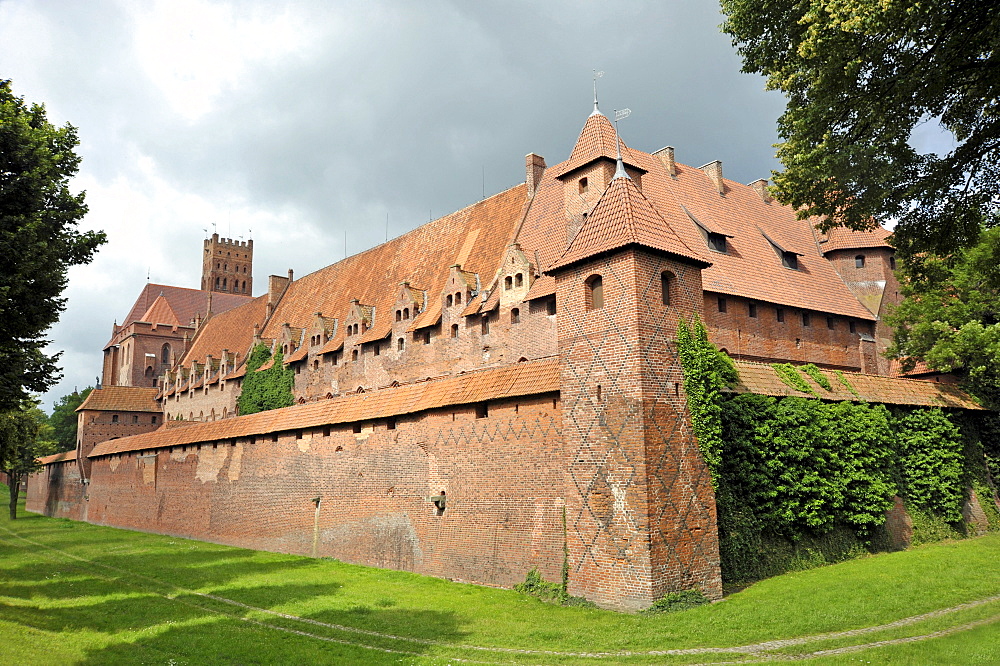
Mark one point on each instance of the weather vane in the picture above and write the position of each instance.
(597, 75)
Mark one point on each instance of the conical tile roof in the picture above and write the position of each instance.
(624, 217)
(596, 140)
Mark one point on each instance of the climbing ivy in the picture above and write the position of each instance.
(931, 461)
(267, 389)
(707, 372)
(789, 374)
(847, 384)
(817, 375)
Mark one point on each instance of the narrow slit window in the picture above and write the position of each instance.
(666, 285)
(595, 292)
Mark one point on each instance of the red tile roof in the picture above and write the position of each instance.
(232, 330)
(121, 399)
(624, 217)
(596, 141)
(761, 378)
(65, 456)
(840, 238)
(185, 303)
(160, 312)
(529, 378)
(474, 237)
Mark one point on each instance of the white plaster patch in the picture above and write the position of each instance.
(210, 462)
(236, 462)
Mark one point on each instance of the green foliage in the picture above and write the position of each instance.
(950, 315)
(801, 465)
(861, 76)
(677, 601)
(789, 374)
(817, 375)
(931, 461)
(535, 586)
(930, 528)
(267, 389)
(847, 384)
(25, 436)
(38, 241)
(63, 418)
(707, 371)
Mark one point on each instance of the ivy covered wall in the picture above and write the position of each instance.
(270, 388)
(805, 481)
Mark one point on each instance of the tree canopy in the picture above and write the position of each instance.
(861, 76)
(950, 314)
(25, 436)
(64, 419)
(39, 241)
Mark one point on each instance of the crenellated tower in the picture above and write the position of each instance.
(227, 266)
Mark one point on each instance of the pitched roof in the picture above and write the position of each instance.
(529, 378)
(185, 303)
(840, 238)
(762, 379)
(160, 312)
(750, 268)
(474, 237)
(121, 399)
(596, 141)
(624, 217)
(232, 330)
(64, 456)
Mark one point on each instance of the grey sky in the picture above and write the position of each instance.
(303, 120)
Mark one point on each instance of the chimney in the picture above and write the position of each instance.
(666, 156)
(276, 286)
(760, 187)
(534, 166)
(714, 171)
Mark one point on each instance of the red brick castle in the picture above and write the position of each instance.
(495, 391)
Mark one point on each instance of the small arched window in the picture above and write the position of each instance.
(217, 283)
(400, 343)
(594, 292)
(454, 330)
(515, 315)
(399, 315)
(892, 263)
(244, 286)
(666, 284)
(508, 282)
(518, 280)
(406, 313)
(354, 355)
(165, 353)
(859, 261)
(450, 300)
(458, 298)
(224, 284)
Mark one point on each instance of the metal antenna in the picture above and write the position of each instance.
(387, 227)
(213, 227)
(620, 168)
(597, 75)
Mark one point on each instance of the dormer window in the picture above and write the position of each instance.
(790, 260)
(716, 242)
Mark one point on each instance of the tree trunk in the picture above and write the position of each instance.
(15, 489)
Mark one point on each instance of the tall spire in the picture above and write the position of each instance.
(596, 111)
(620, 166)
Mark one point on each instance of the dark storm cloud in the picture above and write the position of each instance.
(387, 108)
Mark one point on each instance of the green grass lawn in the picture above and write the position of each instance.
(77, 593)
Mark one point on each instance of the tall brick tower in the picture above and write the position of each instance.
(640, 509)
(227, 266)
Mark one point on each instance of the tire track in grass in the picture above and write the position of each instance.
(762, 649)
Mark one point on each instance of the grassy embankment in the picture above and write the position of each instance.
(77, 593)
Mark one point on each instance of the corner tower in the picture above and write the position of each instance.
(227, 266)
(640, 509)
